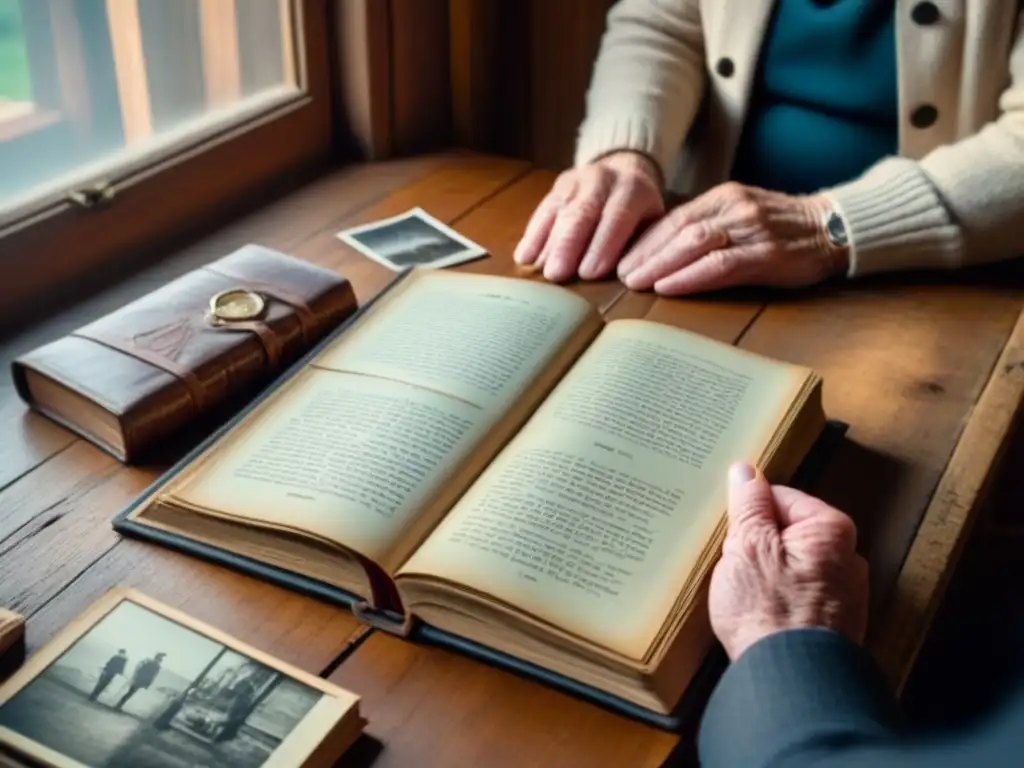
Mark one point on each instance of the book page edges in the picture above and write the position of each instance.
(682, 654)
(72, 410)
(287, 549)
(794, 435)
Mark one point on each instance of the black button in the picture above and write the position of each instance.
(924, 116)
(824, 3)
(725, 67)
(925, 13)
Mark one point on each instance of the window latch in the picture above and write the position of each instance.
(93, 196)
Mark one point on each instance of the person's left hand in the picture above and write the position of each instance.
(734, 235)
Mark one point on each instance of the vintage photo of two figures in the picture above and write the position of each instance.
(140, 690)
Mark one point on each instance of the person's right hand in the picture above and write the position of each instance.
(789, 562)
(585, 222)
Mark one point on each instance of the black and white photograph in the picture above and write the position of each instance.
(138, 689)
(412, 239)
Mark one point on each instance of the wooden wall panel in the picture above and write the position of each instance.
(362, 78)
(490, 73)
(421, 81)
(506, 77)
(393, 88)
(565, 36)
(519, 74)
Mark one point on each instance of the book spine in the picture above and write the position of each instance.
(398, 624)
(383, 592)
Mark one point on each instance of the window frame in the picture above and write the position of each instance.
(143, 207)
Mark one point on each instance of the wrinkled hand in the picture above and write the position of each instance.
(587, 219)
(789, 562)
(730, 236)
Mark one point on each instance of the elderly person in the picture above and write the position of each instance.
(788, 602)
(811, 138)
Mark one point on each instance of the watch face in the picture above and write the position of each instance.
(836, 228)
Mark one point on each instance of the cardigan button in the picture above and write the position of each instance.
(725, 67)
(925, 13)
(924, 116)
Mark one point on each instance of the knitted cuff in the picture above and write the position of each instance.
(896, 220)
(602, 135)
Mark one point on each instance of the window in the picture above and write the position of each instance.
(15, 84)
(125, 122)
(105, 82)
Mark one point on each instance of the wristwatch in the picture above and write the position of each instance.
(839, 240)
(835, 229)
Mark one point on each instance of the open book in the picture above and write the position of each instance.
(487, 456)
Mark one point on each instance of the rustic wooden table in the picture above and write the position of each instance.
(927, 373)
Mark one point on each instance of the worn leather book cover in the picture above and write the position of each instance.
(136, 377)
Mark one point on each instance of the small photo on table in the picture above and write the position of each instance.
(137, 688)
(412, 239)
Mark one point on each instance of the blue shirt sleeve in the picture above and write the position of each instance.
(805, 689)
(812, 699)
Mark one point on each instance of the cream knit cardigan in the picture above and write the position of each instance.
(953, 196)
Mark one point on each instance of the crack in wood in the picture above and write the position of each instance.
(359, 636)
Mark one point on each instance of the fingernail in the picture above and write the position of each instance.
(553, 272)
(632, 281)
(588, 266)
(741, 473)
(519, 256)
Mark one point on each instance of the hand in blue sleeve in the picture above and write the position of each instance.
(789, 604)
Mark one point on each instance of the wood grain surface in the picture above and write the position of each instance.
(903, 366)
(920, 369)
(939, 540)
(429, 707)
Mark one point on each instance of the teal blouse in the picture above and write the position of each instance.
(824, 101)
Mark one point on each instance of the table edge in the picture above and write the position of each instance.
(898, 635)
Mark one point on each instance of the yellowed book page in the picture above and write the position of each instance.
(346, 457)
(594, 515)
(480, 338)
(360, 444)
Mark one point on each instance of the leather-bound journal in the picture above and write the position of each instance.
(486, 463)
(138, 375)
